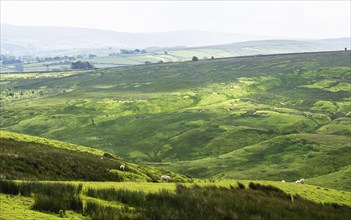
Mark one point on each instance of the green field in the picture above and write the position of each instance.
(263, 117)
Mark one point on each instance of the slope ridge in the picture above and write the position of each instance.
(27, 157)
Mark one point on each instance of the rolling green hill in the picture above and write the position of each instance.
(287, 157)
(261, 117)
(26, 157)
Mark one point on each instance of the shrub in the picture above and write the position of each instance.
(241, 186)
(61, 213)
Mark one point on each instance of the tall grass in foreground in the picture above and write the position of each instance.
(196, 203)
(211, 202)
(48, 196)
(99, 212)
(131, 198)
(9, 187)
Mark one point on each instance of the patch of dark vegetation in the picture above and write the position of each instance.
(29, 161)
(132, 198)
(9, 187)
(35, 161)
(211, 202)
(264, 188)
(51, 197)
(80, 65)
(99, 212)
(108, 155)
(241, 186)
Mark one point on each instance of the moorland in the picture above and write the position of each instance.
(233, 126)
(261, 117)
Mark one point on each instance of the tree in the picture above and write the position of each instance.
(19, 67)
(136, 51)
(92, 56)
(195, 58)
(82, 65)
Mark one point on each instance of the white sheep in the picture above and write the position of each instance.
(165, 178)
(122, 167)
(301, 181)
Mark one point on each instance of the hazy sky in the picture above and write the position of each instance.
(293, 19)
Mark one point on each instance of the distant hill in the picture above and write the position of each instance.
(52, 41)
(45, 40)
(248, 48)
(285, 46)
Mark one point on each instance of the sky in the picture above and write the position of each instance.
(289, 19)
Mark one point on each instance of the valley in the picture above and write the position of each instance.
(175, 110)
(268, 117)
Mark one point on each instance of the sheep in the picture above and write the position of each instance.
(283, 181)
(301, 181)
(165, 178)
(122, 167)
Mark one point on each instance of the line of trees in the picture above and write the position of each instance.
(136, 51)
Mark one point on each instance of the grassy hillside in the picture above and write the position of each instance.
(339, 179)
(27, 157)
(287, 157)
(265, 117)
